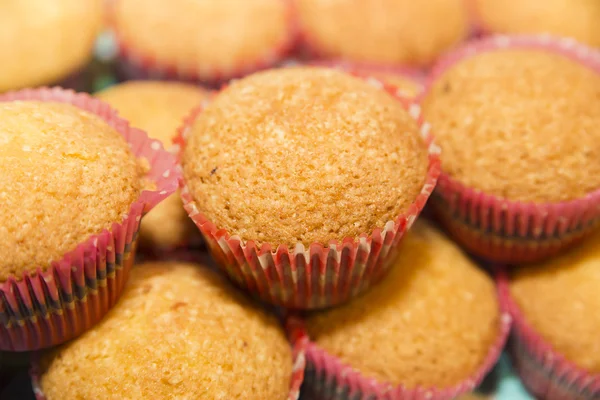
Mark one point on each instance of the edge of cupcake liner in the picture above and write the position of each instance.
(319, 275)
(543, 370)
(505, 230)
(135, 64)
(327, 376)
(47, 307)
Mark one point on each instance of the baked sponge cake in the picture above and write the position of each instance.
(159, 108)
(179, 331)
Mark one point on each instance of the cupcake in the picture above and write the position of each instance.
(179, 331)
(44, 42)
(577, 19)
(159, 108)
(390, 32)
(206, 40)
(519, 124)
(74, 181)
(303, 180)
(555, 346)
(432, 329)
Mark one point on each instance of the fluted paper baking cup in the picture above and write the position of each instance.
(319, 275)
(545, 373)
(503, 230)
(47, 307)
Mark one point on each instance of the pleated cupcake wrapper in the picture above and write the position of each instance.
(298, 343)
(507, 231)
(47, 307)
(315, 276)
(134, 64)
(545, 372)
(328, 378)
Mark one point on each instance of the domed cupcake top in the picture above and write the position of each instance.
(303, 155)
(559, 299)
(179, 331)
(430, 322)
(65, 174)
(523, 124)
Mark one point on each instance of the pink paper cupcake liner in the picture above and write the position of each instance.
(319, 275)
(298, 343)
(134, 64)
(509, 231)
(48, 307)
(545, 372)
(328, 378)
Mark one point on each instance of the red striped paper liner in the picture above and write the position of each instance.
(318, 275)
(546, 373)
(50, 306)
(328, 378)
(503, 230)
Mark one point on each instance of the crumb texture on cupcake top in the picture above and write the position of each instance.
(179, 331)
(303, 155)
(430, 322)
(559, 299)
(203, 35)
(65, 174)
(383, 31)
(43, 41)
(577, 19)
(519, 124)
(159, 108)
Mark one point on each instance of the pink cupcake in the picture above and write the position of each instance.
(519, 123)
(75, 182)
(431, 330)
(207, 40)
(304, 180)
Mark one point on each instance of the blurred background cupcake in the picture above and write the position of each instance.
(159, 108)
(207, 40)
(47, 42)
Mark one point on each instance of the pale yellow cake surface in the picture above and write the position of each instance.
(203, 35)
(559, 299)
(519, 124)
(406, 86)
(42, 42)
(303, 155)
(430, 322)
(159, 108)
(65, 174)
(180, 331)
(577, 19)
(384, 31)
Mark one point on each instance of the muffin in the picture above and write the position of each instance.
(555, 307)
(75, 180)
(159, 108)
(179, 331)
(518, 119)
(434, 325)
(393, 32)
(206, 40)
(308, 175)
(577, 19)
(43, 42)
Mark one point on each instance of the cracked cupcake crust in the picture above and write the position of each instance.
(303, 155)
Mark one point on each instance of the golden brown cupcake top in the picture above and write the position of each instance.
(570, 18)
(519, 124)
(383, 31)
(65, 174)
(430, 322)
(559, 298)
(179, 331)
(303, 155)
(43, 41)
(203, 35)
